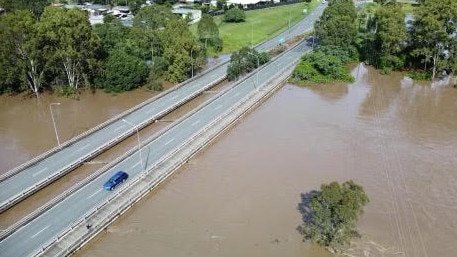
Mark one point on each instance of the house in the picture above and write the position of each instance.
(245, 3)
(186, 12)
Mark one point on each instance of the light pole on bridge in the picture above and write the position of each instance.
(53, 122)
(258, 65)
(138, 137)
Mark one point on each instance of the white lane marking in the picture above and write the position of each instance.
(148, 112)
(40, 231)
(40, 171)
(169, 141)
(195, 122)
(83, 147)
(218, 107)
(119, 128)
(96, 192)
(138, 163)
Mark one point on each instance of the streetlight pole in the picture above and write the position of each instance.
(192, 61)
(138, 137)
(258, 65)
(251, 34)
(289, 22)
(54, 123)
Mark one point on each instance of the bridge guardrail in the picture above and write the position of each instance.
(5, 205)
(29, 163)
(154, 182)
(57, 199)
(38, 158)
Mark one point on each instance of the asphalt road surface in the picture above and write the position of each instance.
(31, 179)
(32, 236)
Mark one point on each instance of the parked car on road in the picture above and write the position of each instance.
(115, 180)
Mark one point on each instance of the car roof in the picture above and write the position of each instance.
(119, 173)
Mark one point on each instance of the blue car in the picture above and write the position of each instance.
(115, 180)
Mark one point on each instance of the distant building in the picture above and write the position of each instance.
(97, 12)
(245, 3)
(186, 12)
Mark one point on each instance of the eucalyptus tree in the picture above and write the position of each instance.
(391, 35)
(207, 30)
(433, 35)
(111, 33)
(34, 6)
(22, 63)
(337, 25)
(180, 50)
(71, 45)
(148, 25)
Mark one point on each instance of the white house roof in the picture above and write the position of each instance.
(245, 2)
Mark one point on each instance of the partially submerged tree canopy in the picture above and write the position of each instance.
(337, 25)
(330, 216)
(433, 35)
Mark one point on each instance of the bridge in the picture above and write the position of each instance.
(148, 166)
(162, 154)
(23, 181)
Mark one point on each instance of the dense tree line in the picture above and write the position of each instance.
(61, 51)
(427, 45)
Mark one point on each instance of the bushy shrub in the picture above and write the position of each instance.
(419, 75)
(123, 72)
(234, 15)
(325, 64)
(245, 60)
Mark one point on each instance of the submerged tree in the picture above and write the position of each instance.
(337, 25)
(330, 216)
(70, 43)
(433, 35)
(22, 61)
(391, 35)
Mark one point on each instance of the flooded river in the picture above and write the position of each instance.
(239, 196)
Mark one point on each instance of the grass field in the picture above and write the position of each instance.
(259, 25)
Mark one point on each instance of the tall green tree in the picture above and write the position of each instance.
(111, 34)
(179, 51)
(330, 215)
(234, 14)
(244, 61)
(148, 27)
(433, 35)
(122, 72)
(34, 6)
(207, 30)
(22, 61)
(71, 44)
(337, 25)
(391, 34)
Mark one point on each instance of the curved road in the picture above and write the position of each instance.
(43, 172)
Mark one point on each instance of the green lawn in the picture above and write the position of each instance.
(259, 26)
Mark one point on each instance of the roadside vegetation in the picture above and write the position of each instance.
(425, 47)
(244, 61)
(40, 54)
(259, 26)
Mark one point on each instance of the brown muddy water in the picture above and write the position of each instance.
(239, 196)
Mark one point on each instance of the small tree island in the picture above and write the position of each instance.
(330, 215)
